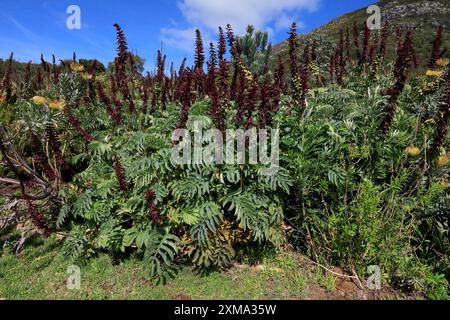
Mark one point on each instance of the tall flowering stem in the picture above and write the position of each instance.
(347, 44)
(356, 40)
(398, 39)
(182, 66)
(383, 42)
(252, 96)
(120, 175)
(40, 158)
(39, 80)
(199, 52)
(172, 72)
(340, 63)
(405, 58)
(279, 74)
(91, 85)
(153, 211)
(241, 101)
(36, 217)
(120, 67)
(304, 78)
(216, 110)
(222, 46)
(54, 143)
(234, 51)
(230, 36)
(212, 63)
(312, 50)
(292, 43)
(185, 97)
(6, 83)
(122, 56)
(44, 65)
(233, 94)
(160, 66)
(145, 98)
(199, 62)
(332, 66)
(436, 51)
(112, 80)
(247, 91)
(77, 126)
(442, 125)
(55, 69)
(178, 82)
(27, 76)
(365, 50)
(372, 50)
(223, 78)
(165, 92)
(265, 94)
(113, 113)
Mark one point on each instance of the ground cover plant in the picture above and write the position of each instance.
(363, 177)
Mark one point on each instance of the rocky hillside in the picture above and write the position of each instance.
(421, 16)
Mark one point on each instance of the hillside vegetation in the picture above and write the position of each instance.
(362, 179)
(422, 17)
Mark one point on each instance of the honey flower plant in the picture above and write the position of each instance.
(363, 148)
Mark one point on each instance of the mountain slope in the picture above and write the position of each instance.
(421, 16)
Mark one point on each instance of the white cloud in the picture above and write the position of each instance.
(240, 13)
(182, 39)
(284, 21)
(207, 15)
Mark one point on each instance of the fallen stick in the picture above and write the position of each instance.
(10, 181)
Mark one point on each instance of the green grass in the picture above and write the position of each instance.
(40, 272)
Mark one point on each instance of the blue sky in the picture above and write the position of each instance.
(31, 27)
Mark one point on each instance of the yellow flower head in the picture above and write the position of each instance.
(76, 67)
(445, 184)
(87, 76)
(434, 73)
(442, 62)
(412, 151)
(56, 104)
(443, 160)
(39, 100)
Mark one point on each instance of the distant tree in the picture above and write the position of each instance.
(137, 61)
(87, 63)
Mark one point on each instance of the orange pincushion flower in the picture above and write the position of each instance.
(443, 160)
(56, 104)
(445, 184)
(442, 62)
(76, 67)
(412, 151)
(87, 76)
